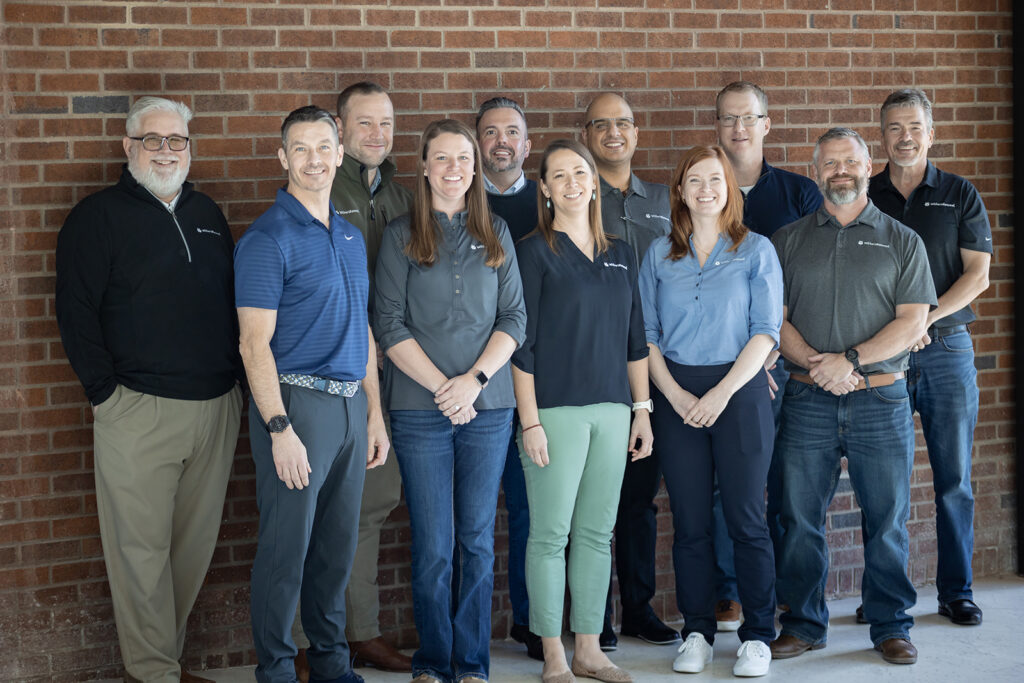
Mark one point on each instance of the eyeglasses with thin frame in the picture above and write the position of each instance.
(748, 119)
(154, 143)
(623, 124)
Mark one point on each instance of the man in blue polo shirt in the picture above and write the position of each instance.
(948, 214)
(772, 198)
(315, 425)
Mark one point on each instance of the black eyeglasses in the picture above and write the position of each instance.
(748, 119)
(154, 143)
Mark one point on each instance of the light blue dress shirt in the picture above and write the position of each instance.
(705, 316)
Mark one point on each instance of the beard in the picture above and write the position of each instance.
(847, 195)
(161, 184)
(501, 165)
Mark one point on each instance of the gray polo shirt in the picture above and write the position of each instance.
(450, 308)
(843, 283)
(639, 217)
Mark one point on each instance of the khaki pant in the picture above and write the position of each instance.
(162, 467)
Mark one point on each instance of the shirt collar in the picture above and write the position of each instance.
(297, 211)
(167, 205)
(516, 187)
(456, 221)
(931, 177)
(869, 217)
(636, 186)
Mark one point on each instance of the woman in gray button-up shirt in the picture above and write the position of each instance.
(449, 314)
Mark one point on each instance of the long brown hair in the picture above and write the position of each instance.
(730, 221)
(423, 227)
(546, 216)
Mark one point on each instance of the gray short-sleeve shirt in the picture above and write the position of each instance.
(843, 283)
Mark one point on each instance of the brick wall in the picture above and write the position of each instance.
(71, 68)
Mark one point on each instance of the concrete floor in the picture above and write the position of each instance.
(992, 652)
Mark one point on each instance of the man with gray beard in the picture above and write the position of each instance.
(857, 294)
(145, 306)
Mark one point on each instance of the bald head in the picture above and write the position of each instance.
(609, 132)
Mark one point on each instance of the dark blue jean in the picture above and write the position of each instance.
(738, 449)
(513, 483)
(451, 476)
(943, 388)
(873, 429)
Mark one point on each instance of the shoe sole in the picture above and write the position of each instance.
(609, 648)
(652, 641)
(688, 671)
(790, 655)
(728, 626)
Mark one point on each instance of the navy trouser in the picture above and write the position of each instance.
(307, 537)
(513, 483)
(738, 447)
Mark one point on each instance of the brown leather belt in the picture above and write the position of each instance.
(869, 381)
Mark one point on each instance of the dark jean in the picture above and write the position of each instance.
(873, 429)
(451, 476)
(943, 387)
(738, 448)
(513, 483)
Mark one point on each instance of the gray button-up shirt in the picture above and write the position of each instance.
(843, 283)
(451, 308)
(639, 217)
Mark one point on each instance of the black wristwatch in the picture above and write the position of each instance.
(278, 424)
(481, 378)
(853, 357)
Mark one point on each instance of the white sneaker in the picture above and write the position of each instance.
(694, 655)
(752, 659)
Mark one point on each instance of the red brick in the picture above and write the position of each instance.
(31, 13)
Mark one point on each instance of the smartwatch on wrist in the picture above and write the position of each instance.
(278, 424)
(481, 378)
(854, 357)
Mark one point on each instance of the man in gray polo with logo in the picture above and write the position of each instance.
(857, 294)
(637, 212)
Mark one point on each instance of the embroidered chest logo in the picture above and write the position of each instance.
(865, 243)
(207, 231)
(616, 265)
(948, 206)
(474, 247)
(654, 215)
(345, 212)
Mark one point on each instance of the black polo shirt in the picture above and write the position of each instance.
(947, 212)
(584, 321)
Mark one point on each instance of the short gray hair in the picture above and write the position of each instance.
(146, 104)
(908, 97)
(838, 134)
(498, 103)
(308, 114)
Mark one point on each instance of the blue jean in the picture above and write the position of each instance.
(943, 388)
(873, 429)
(514, 485)
(725, 563)
(451, 476)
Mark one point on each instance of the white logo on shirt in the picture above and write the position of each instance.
(738, 258)
(871, 244)
(346, 212)
(348, 237)
(948, 206)
(616, 265)
(474, 247)
(654, 215)
(208, 232)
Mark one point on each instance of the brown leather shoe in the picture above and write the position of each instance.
(787, 646)
(379, 654)
(302, 666)
(187, 677)
(898, 651)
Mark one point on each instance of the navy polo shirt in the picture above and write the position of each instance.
(316, 280)
(947, 212)
(779, 198)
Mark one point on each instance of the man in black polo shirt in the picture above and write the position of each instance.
(504, 146)
(948, 214)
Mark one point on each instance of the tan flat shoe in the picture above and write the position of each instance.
(609, 674)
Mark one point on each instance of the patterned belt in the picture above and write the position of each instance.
(334, 387)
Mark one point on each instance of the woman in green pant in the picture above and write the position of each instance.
(581, 369)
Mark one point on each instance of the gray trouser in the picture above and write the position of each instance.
(307, 537)
(162, 467)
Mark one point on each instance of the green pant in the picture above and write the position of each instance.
(575, 495)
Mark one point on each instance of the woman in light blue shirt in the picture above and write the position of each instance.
(712, 300)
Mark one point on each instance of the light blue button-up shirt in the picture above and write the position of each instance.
(706, 315)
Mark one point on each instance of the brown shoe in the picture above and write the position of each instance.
(729, 615)
(609, 674)
(787, 646)
(379, 654)
(187, 677)
(898, 651)
(302, 666)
